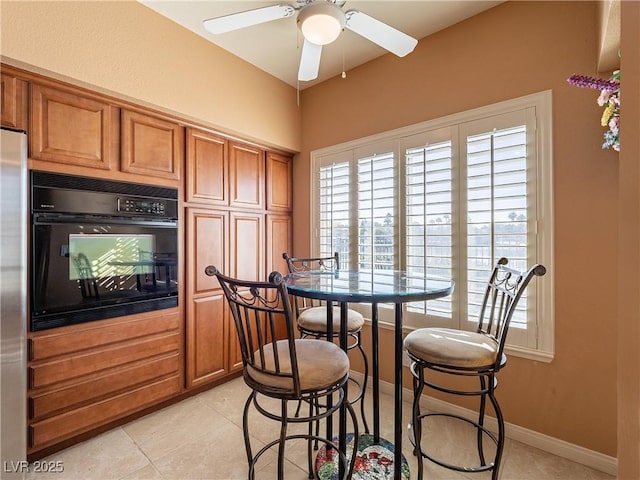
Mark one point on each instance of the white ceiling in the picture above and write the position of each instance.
(275, 46)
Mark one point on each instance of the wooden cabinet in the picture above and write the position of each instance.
(279, 178)
(72, 128)
(279, 240)
(207, 313)
(151, 145)
(13, 102)
(207, 169)
(85, 376)
(237, 200)
(228, 227)
(246, 176)
(247, 245)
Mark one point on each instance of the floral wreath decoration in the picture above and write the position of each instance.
(610, 99)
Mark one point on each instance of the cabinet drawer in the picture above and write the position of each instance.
(83, 337)
(76, 366)
(82, 419)
(94, 389)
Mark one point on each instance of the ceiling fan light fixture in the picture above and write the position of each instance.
(321, 22)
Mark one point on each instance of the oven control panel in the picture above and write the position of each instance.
(147, 207)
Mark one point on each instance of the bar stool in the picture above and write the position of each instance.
(478, 353)
(287, 369)
(311, 317)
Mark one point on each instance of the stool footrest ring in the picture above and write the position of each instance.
(459, 468)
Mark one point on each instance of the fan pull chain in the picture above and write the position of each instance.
(344, 74)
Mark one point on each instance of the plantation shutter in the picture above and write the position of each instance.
(429, 229)
(376, 211)
(499, 204)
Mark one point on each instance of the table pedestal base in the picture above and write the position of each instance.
(373, 460)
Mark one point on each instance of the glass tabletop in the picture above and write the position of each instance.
(367, 286)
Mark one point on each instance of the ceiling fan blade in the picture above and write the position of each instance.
(236, 21)
(309, 61)
(380, 33)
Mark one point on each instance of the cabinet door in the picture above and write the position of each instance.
(206, 326)
(207, 168)
(278, 241)
(72, 128)
(151, 145)
(207, 340)
(279, 178)
(247, 246)
(13, 102)
(246, 176)
(235, 355)
(207, 244)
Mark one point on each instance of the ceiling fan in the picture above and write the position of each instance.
(321, 22)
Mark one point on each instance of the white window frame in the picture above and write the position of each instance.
(537, 104)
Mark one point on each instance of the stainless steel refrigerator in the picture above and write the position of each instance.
(13, 303)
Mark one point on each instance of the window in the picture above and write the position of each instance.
(447, 198)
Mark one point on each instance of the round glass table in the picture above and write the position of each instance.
(372, 287)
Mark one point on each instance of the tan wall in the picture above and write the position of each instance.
(126, 48)
(512, 50)
(629, 255)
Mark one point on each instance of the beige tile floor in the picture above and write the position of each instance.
(201, 438)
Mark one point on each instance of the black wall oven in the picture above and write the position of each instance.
(100, 249)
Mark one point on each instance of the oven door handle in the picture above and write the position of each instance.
(53, 219)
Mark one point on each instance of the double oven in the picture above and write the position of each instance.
(100, 249)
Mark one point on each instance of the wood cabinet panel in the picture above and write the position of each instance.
(49, 344)
(206, 327)
(207, 168)
(84, 376)
(93, 389)
(151, 145)
(279, 240)
(247, 245)
(246, 176)
(207, 237)
(73, 129)
(235, 355)
(13, 102)
(279, 178)
(74, 422)
(92, 362)
(207, 340)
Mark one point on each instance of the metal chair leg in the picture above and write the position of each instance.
(483, 402)
(364, 383)
(500, 419)
(418, 387)
(245, 432)
(283, 436)
(310, 441)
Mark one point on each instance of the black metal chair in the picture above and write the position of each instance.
(288, 369)
(478, 353)
(311, 317)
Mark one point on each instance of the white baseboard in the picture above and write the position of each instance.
(555, 446)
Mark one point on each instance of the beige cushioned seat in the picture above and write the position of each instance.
(314, 319)
(455, 348)
(321, 364)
